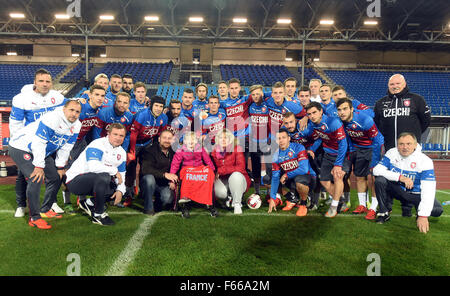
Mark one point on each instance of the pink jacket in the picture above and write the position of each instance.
(184, 157)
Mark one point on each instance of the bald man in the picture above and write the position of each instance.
(400, 111)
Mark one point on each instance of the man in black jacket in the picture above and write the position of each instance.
(400, 111)
(155, 176)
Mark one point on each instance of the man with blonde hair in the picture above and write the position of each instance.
(314, 86)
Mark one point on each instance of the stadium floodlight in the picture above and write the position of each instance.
(284, 21)
(288, 59)
(11, 53)
(75, 54)
(316, 59)
(106, 17)
(196, 19)
(150, 28)
(17, 15)
(61, 16)
(103, 55)
(239, 20)
(370, 23)
(239, 30)
(151, 18)
(326, 22)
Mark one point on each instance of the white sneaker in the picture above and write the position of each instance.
(57, 209)
(237, 209)
(20, 212)
(228, 202)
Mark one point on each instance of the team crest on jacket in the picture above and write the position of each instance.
(122, 119)
(290, 154)
(263, 109)
(161, 122)
(220, 116)
(53, 100)
(407, 102)
(118, 156)
(26, 156)
(354, 126)
(413, 165)
(323, 127)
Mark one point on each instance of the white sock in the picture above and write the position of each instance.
(334, 203)
(89, 202)
(374, 204)
(362, 198)
(66, 197)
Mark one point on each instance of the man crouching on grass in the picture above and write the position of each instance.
(99, 171)
(408, 175)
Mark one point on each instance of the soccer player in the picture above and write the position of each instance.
(290, 167)
(187, 108)
(41, 150)
(27, 107)
(213, 123)
(147, 125)
(304, 96)
(407, 174)
(102, 80)
(339, 92)
(88, 119)
(290, 87)
(259, 145)
(117, 113)
(138, 103)
(100, 172)
(333, 167)
(201, 103)
(367, 142)
(314, 86)
(115, 84)
(128, 85)
(329, 106)
(178, 124)
(222, 90)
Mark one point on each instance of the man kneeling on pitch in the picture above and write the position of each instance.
(408, 175)
(292, 159)
(99, 171)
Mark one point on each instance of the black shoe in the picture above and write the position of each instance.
(149, 212)
(185, 213)
(214, 213)
(103, 219)
(382, 218)
(86, 208)
(406, 212)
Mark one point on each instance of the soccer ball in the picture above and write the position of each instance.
(254, 201)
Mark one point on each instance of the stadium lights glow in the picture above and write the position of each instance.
(196, 19)
(316, 59)
(288, 59)
(16, 15)
(152, 18)
(195, 62)
(11, 53)
(107, 17)
(150, 28)
(103, 55)
(326, 22)
(75, 54)
(284, 21)
(239, 20)
(239, 30)
(370, 23)
(62, 16)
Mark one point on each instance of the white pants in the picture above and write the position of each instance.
(235, 183)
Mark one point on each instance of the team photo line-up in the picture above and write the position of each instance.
(114, 145)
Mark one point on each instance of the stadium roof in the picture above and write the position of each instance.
(400, 22)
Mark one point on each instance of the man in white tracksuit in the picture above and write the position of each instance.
(41, 149)
(407, 174)
(99, 171)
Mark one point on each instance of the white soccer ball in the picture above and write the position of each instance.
(254, 201)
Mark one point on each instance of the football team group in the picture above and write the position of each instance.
(114, 145)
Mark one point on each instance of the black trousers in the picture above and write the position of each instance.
(387, 190)
(101, 186)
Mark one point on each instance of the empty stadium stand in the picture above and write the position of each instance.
(14, 76)
(255, 74)
(150, 73)
(77, 73)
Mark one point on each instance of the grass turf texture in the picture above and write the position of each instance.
(254, 244)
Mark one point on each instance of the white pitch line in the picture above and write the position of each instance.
(440, 191)
(128, 254)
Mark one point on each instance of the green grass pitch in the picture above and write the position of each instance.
(253, 244)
